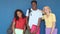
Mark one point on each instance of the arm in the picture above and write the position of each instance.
(27, 23)
(53, 26)
(40, 18)
(13, 27)
(38, 25)
(39, 21)
(27, 14)
(24, 29)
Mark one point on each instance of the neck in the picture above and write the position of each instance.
(34, 8)
(20, 17)
(48, 14)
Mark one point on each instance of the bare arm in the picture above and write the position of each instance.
(53, 27)
(27, 23)
(24, 29)
(39, 21)
(38, 25)
(26, 19)
(13, 27)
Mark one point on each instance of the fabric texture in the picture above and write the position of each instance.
(20, 24)
(33, 16)
(34, 27)
(48, 30)
(48, 21)
(18, 31)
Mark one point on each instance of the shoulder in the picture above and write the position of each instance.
(44, 15)
(14, 19)
(24, 18)
(40, 11)
(27, 9)
(52, 14)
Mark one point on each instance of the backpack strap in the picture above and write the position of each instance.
(29, 10)
(29, 14)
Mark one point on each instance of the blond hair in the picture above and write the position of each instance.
(48, 8)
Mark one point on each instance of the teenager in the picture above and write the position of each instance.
(19, 22)
(50, 20)
(34, 18)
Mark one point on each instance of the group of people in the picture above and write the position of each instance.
(32, 20)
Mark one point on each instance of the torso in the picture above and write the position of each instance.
(34, 15)
(49, 20)
(20, 23)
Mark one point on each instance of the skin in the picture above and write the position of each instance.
(47, 11)
(34, 7)
(19, 14)
(13, 27)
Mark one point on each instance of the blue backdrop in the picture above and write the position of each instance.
(8, 7)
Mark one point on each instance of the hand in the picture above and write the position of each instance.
(23, 32)
(34, 32)
(51, 33)
(28, 27)
(14, 33)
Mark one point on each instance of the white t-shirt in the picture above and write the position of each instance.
(33, 16)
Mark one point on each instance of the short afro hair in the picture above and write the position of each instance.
(34, 2)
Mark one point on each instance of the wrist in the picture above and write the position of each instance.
(51, 32)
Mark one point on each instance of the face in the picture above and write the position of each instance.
(34, 5)
(19, 14)
(46, 10)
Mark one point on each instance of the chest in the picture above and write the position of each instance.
(20, 21)
(49, 19)
(34, 14)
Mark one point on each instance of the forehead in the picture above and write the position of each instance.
(33, 3)
(46, 7)
(18, 12)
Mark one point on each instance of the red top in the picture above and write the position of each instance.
(20, 23)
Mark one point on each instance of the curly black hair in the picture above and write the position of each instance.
(34, 1)
(15, 14)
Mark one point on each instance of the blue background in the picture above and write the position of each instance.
(8, 7)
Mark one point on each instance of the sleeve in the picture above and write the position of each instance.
(14, 19)
(27, 13)
(43, 17)
(54, 18)
(40, 14)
